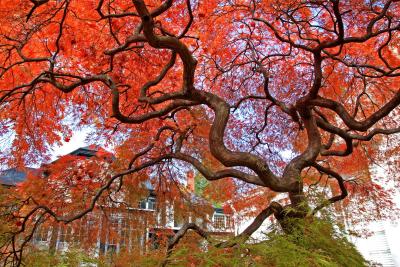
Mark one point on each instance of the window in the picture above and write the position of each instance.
(125, 232)
(80, 231)
(219, 221)
(64, 237)
(89, 229)
(113, 234)
(143, 204)
(65, 233)
(137, 239)
(148, 204)
(42, 233)
(228, 221)
(151, 203)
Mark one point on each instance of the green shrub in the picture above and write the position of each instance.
(310, 244)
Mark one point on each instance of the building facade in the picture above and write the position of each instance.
(112, 229)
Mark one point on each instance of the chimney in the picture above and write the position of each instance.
(190, 181)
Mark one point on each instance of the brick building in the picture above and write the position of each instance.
(114, 229)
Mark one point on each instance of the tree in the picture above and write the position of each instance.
(278, 95)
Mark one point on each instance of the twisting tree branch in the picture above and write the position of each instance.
(273, 208)
(340, 181)
(286, 38)
(180, 234)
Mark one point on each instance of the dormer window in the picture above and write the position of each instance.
(219, 221)
(148, 203)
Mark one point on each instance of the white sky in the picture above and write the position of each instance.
(77, 140)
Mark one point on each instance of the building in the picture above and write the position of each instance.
(382, 247)
(112, 228)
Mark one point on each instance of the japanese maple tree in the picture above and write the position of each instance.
(280, 96)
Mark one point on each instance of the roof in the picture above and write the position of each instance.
(218, 210)
(12, 177)
(88, 151)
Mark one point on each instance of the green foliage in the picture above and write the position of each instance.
(71, 258)
(200, 183)
(309, 244)
(133, 259)
(200, 188)
(78, 258)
